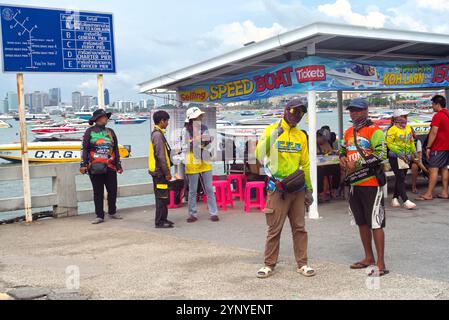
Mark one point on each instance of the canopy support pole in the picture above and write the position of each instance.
(446, 91)
(313, 210)
(340, 115)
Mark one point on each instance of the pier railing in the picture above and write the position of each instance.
(64, 197)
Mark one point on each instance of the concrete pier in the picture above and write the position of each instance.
(129, 259)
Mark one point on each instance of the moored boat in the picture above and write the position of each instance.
(129, 121)
(4, 125)
(50, 152)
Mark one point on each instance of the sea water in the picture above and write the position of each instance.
(138, 136)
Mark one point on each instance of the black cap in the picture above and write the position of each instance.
(98, 114)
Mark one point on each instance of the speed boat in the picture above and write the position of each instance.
(130, 121)
(356, 75)
(50, 152)
(4, 125)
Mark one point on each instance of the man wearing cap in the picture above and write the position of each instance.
(362, 154)
(196, 145)
(401, 152)
(100, 158)
(283, 149)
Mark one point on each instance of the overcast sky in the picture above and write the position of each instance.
(154, 37)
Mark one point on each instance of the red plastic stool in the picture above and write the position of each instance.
(172, 204)
(240, 180)
(223, 194)
(259, 203)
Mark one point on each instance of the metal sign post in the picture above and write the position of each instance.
(100, 91)
(24, 147)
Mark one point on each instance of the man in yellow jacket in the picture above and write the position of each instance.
(159, 166)
(283, 150)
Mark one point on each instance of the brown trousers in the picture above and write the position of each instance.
(276, 211)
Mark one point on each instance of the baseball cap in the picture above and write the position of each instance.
(297, 103)
(358, 103)
(400, 113)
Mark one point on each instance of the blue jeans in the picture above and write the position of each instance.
(209, 189)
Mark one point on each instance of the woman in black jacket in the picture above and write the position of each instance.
(100, 158)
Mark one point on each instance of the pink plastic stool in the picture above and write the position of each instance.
(223, 194)
(240, 180)
(172, 204)
(259, 203)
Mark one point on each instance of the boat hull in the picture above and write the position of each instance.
(48, 152)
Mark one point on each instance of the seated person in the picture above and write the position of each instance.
(328, 176)
(419, 164)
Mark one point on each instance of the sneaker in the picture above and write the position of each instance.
(164, 226)
(98, 221)
(169, 222)
(116, 216)
(214, 218)
(409, 205)
(192, 219)
(395, 203)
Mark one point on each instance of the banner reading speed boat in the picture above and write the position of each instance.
(321, 74)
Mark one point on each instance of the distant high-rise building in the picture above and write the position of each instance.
(86, 102)
(76, 100)
(94, 101)
(13, 102)
(55, 96)
(4, 106)
(151, 103)
(39, 100)
(142, 105)
(28, 102)
(107, 98)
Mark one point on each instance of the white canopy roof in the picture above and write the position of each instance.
(324, 39)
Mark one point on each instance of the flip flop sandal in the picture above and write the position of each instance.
(306, 271)
(421, 198)
(264, 273)
(441, 197)
(359, 265)
(378, 273)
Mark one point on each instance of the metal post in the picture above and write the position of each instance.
(313, 211)
(446, 91)
(100, 91)
(340, 114)
(24, 149)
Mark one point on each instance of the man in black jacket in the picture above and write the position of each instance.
(159, 165)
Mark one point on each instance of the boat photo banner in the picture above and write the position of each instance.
(320, 74)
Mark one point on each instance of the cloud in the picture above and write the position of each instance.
(234, 35)
(342, 9)
(439, 5)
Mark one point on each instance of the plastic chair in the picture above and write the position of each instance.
(259, 203)
(240, 180)
(223, 194)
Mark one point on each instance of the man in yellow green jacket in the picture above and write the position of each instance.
(283, 150)
(402, 151)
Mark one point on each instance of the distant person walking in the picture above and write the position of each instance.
(100, 158)
(437, 149)
(283, 149)
(401, 152)
(159, 167)
(362, 154)
(196, 145)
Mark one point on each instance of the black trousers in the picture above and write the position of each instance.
(161, 194)
(99, 182)
(400, 189)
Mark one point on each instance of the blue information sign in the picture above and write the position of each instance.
(50, 40)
